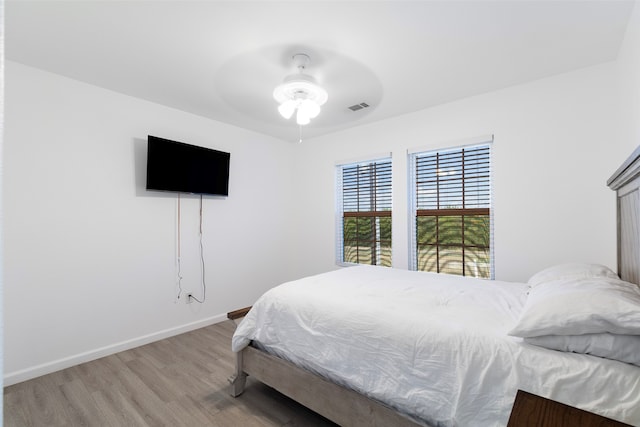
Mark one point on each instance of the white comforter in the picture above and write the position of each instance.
(433, 346)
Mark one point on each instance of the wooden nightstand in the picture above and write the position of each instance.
(530, 410)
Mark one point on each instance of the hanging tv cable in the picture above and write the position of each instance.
(179, 278)
(204, 284)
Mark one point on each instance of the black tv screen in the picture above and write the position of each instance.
(185, 168)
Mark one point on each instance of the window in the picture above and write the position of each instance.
(451, 205)
(364, 213)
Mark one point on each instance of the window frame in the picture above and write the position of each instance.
(341, 214)
(415, 213)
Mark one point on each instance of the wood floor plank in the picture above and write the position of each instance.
(82, 409)
(97, 375)
(145, 401)
(268, 403)
(162, 386)
(64, 376)
(181, 381)
(14, 409)
(117, 409)
(44, 404)
(192, 413)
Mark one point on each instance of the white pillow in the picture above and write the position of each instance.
(577, 307)
(575, 270)
(625, 348)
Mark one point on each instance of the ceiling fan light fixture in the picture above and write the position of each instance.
(300, 92)
(287, 108)
(302, 118)
(310, 108)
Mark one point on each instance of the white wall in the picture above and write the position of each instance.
(555, 146)
(628, 67)
(90, 255)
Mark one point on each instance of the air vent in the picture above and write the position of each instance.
(360, 106)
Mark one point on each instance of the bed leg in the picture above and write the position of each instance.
(239, 379)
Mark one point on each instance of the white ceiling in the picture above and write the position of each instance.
(222, 60)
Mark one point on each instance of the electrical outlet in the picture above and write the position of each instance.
(189, 299)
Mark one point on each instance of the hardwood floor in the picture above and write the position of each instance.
(179, 381)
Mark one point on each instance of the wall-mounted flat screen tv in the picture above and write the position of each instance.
(185, 168)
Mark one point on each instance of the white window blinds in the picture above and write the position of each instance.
(364, 213)
(451, 207)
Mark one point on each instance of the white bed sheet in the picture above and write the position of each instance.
(434, 346)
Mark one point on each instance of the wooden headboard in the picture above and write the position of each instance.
(626, 182)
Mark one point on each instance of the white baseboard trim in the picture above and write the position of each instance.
(67, 362)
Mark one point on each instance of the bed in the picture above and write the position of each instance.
(371, 346)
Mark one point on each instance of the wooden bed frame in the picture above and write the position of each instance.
(349, 408)
(626, 183)
(339, 404)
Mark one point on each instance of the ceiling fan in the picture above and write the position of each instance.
(300, 93)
